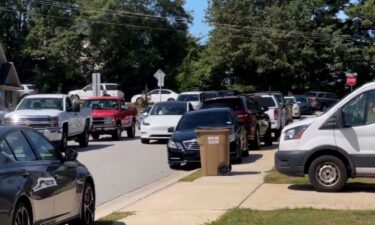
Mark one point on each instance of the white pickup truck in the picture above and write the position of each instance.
(55, 116)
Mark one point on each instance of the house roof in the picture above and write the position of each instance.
(8, 72)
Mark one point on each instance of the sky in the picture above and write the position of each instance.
(199, 28)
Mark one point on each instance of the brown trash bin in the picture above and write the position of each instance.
(214, 151)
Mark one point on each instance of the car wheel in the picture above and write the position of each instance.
(117, 133)
(327, 174)
(268, 137)
(131, 130)
(139, 101)
(255, 144)
(88, 207)
(175, 166)
(64, 139)
(74, 98)
(22, 215)
(95, 136)
(84, 137)
(145, 141)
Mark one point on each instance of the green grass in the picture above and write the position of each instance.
(274, 177)
(192, 177)
(296, 217)
(114, 217)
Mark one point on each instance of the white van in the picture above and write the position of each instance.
(335, 146)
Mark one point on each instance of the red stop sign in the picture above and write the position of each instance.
(351, 81)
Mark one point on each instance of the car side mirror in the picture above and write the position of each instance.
(76, 107)
(170, 129)
(145, 114)
(264, 108)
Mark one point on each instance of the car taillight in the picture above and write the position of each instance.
(276, 114)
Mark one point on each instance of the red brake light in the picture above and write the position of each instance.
(276, 114)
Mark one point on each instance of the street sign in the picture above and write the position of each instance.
(160, 75)
(96, 84)
(349, 74)
(351, 81)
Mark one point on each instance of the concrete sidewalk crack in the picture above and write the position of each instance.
(247, 197)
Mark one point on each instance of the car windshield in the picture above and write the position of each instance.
(169, 109)
(209, 119)
(235, 104)
(265, 101)
(41, 103)
(210, 95)
(290, 99)
(188, 98)
(103, 104)
(111, 87)
(147, 109)
(301, 99)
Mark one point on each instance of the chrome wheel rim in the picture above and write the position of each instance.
(328, 174)
(88, 206)
(22, 217)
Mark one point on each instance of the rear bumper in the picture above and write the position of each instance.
(290, 163)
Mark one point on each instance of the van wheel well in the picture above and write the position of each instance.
(328, 152)
(26, 201)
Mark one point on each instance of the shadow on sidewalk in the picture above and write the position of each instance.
(251, 158)
(269, 148)
(91, 147)
(239, 173)
(348, 188)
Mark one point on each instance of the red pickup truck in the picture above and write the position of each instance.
(111, 116)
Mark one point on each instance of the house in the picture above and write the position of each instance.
(9, 82)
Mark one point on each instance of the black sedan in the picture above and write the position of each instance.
(40, 185)
(183, 146)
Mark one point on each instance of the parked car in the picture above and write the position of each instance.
(295, 109)
(111, 116)
(143, 115)
(183, 147)
(196, 98)
(321, 100)
(335, 146)
(109, 89)
(211, 94)
(163, 115)
(154, 96)
(55, 116)
(277, 118)
(27, 89)
(303, 104)
(39, 184)
(256, 122)
(225, 93)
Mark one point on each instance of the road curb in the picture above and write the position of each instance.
(138, 194)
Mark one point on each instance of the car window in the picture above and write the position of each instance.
(164, 92)
(330, 95)
(354, 111)
(20, 146)
(321, 95)
(266, 101)
(370, 108)
(154, 92)
(69, 105)
(251, 105)
(235, 104)
(188, 98)
(168, 109)
(5, 149)
(88, 88)
(42, 146)
(111, 87)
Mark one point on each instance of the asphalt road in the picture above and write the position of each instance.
(120, 167)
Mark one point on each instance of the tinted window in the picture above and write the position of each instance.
(211, 119)
(69, 105)
(41, 103)
(290, 99)
(111, 87)
(331, 95)
(168, 109)
(88, 88)
(5, 149)
(43, 147)
(310, 94)
(20, 147)
(147, 109)
(188, 98)
(103, 104)
(233, 103)
(211, 95)
(164, 92)
(370, 108)
(354, 111)
(301, 99)
(321, 95)
(265, 101)
(153, 92)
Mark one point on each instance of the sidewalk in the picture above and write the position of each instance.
(207, 198)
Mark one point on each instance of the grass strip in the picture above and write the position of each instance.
(192, 177)
(114, 217)
(304, 216)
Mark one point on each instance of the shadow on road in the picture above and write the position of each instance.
(92, 147)
(109, 223)
(269, 148)
(348, 188)
(109, 138)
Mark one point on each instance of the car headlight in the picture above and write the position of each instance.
(175, 145)
(295, 133)
(55, 121)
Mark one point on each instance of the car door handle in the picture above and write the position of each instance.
(25, 173)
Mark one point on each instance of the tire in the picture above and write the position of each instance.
(277, 134)
(145, 141)
(131, 130)
(74, 98)
(255, 144)
(268, 137)
(87, 214)
(22, 215)
(175, 166)
(327, 174)
(117, 133)
(95, 136)
(139, 101)
(64, 139)
(84, 137)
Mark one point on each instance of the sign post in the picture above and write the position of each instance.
(351, 79)
(96, 84)
(160, 75)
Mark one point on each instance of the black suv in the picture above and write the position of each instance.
(321, 100)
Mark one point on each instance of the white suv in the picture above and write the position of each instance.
(275, 111)
(27, 89)
(196, 98)
(335, 146)
(110, 89)
(154, 96)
